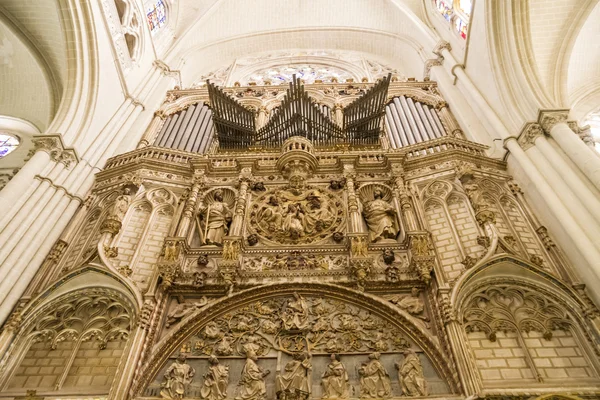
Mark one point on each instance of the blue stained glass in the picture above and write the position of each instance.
(156, 15)
(7, 144)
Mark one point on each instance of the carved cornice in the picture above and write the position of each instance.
(54, 146)
(549, 118)
(530, 132)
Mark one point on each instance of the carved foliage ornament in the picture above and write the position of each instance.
(292, 217)
(510, 308)
(296, 324)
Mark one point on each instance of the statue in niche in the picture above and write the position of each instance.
(217, 217)
(215, 381)
(295, 314)
(335, 380)
(412, 303)
(410, 375)
(252, 383)
(177, 379)
(182, 310)
(293, 381)
(121, 205)
(475, 195)
(381, 218)
(374, 379)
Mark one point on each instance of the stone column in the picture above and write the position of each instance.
(404, 198)
(152, 130)
(190, 205)
(261, 117)
(449, 120)
(554, 122)
(237, 221)
(338, 114)
(585, 247)
(355, 219)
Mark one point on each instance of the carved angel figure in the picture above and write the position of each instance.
(381, 218)
(335, 380)
(217, 217)
(412, 304)
(252, 383)
(374, 379)
(294, 222)
(410, 375)
(215, 381)
(177, 379)
(294, 378)
(183, 310)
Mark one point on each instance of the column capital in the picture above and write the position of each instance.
(432, 62)
(530, 132)
(54, 146)
(548, 118)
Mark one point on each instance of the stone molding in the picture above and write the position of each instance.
(530, 132)
(440, 46)
(549, 118)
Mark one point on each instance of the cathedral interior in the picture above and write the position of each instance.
(299, 200)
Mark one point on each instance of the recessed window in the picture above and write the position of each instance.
(457, 13)
(157, 15)
(308, 73)
(8, 143)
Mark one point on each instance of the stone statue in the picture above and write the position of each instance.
(476, 197)
(374, 379)
(217, 217)
(121, 205)
(335, 380)
(215, 381)
(177, 379)
(272, 214)
(410, 375)
(294, 379)
(252, 383)
(388, 256)
(381, 218)
(183, 310)
(294, 221)
(295, 314)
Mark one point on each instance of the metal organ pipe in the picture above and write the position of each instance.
(189, 130)
(408, 122)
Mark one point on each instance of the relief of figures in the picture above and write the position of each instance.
(381, 218)
(177, 379)
(293, 382)
(215, 381)
(252, 383)
(412, 303)
(410, 375)
(216, 218)
(374, 379)
(335, 380)
(290, 217)
(182, 310)
(295, 314)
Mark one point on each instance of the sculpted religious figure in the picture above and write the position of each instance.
(478, 201)
(177, 379)
(252, 383)
(295, 314)
(374, 379)
(273, 213)
(294, 379)
(412, 303)
(335, 380)
(215, 381)
(217, 217)
(121, 205)
(410, 375)
(381, 218)
(294, 221)
(182, 310)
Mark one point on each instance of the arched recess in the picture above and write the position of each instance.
(72, 335)
(520, 325)
(391, 330)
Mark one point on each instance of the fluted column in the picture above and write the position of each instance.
(190, 205)
(554, 122)
(152, 130)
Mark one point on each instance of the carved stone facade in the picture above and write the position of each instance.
(305, 273)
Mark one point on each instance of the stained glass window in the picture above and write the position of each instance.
(308, 73)
(7, 144)
(445, 8)
(466, 6)
(461, 27)
(156, 15)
